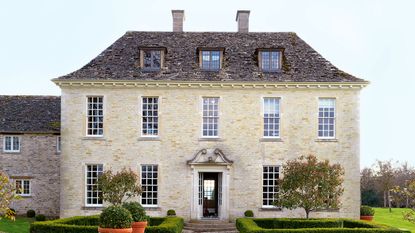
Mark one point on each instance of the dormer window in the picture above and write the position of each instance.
(151, 59)
(210, 59)
(269, 60)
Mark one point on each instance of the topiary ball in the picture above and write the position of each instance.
(115, 217)
(249, 213)
(40, 217)
(30, 213)
(171, 212)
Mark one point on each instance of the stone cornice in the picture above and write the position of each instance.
(216, 85)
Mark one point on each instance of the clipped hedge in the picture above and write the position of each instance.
(165, 225)
(89, 224)
(283, 225)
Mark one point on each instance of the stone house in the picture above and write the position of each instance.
(206, 119)
(29, 150)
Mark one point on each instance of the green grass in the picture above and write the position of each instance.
(394, 219)
(21, 225)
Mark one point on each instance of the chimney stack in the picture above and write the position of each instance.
(178, 18)
(242, 17)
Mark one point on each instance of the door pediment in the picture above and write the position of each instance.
(210, 157)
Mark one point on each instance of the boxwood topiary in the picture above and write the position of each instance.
(171, 212)
(137, 211)
(30, 213)
(115, 217)
(366, 211)
(249, 213)
(40, 217)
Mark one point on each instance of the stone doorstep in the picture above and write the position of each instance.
(210, 226)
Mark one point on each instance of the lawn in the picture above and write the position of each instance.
(21, 225)
(394, 219)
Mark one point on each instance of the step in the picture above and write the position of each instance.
(202, 225)
(212, 230)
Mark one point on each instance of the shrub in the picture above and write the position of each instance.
(171, 212)
(281, 225)
(115, 217)
(40, 217)
(366, 211)
(165, 225)
(30, 213)
(89, 224)
(249, 213)
(137, 211)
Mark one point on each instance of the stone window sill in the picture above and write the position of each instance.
(94, 138)
(270, 209)
(327, 210)
(149, 139)
(11, 152)
(326, 140)
(92, 207)
(25, 196)
(270, 140)
(154, 208)
(211, 139)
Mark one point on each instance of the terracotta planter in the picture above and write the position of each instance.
(366, 218)
(110, 230)
(139, 227)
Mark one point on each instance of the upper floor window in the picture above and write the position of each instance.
(23, 187)
(11, 144)
(150, 107)
(270, 60)
(211, 60)
(271, 117)
(270, 177)
(58, 144)
(92, 190)
(326, 117)
(210, 117)
(95, 116)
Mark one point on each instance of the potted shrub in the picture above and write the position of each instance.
(249, 214)
(139, 216)
(115, 219)
(171, 213)
(366, 213)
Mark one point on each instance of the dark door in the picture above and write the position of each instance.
(210, 195)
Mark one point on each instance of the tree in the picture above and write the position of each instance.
(385, 174)
(7, 195)
(410, 191)
(119, 187)
(310, 184)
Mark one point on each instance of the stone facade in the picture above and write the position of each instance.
(37, 161)
(240, 140)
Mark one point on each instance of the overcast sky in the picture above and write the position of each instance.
(373, 40)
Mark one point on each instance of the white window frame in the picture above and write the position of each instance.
(262, 185)
(22, 181)
(263, 116)
(218, 117)
(270, 51)
(334, 118)
(142, 117)
(210, 61)
(58, 144)
(87, 116)
(86, 184)
(158, 185)
(12, 138)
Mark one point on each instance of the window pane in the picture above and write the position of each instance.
(326, 117)
(95, 116)
(210, 116)
(211, 60)
(270, 185)
(93, 191)
(271, 117)
(150, 116)
(149, 184)
(270, 60)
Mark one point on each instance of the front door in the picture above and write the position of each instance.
(210, 194)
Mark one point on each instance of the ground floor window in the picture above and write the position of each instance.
(149, 184)
(23, 187)
(93, 191)
(270, 176)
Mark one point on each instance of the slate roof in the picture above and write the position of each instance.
(30, 114)
(301, 63)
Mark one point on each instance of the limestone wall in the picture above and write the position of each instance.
(240, 134)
